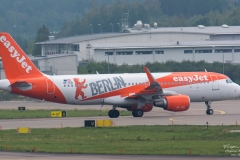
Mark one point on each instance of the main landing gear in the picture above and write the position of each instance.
(137, 113)
(209, 111)
(113, 113)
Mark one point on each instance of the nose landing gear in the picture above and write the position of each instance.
(209, 111)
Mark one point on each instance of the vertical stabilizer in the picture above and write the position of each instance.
(15, 62)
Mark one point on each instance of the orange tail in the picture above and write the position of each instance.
(15, 62)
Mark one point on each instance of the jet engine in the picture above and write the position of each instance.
(145, 108)
(173, 103)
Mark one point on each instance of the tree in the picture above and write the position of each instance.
(42, 35)
(30, 47)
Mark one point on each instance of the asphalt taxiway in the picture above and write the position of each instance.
(43, 156)
(225, 113)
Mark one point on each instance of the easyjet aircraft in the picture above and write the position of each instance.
(138, 92)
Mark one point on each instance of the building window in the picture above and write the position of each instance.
(75, 47)
(108, 53)
(143, 52)
(236, 50)
(159, 52)
(223, 50)
(203, 51)
(188, 51)
(125, 53)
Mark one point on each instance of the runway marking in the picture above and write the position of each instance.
(173, 119)
(221, 112)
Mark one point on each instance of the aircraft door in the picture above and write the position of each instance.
(50, 86)
(215, 83)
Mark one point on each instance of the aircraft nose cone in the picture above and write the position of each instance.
(238, 91)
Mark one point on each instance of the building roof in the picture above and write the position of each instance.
(165, 44)
(74, 39)
(214, 30)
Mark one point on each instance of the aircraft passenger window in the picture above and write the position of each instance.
(72, 85)
(186, 82)
(64, 85)
(132, 83)
(68, 85)
(172, 82)
(182, 82)
(129, 84)
(169, 83)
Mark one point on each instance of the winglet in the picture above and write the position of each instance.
(149, 75)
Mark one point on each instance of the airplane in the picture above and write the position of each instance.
(137, 92)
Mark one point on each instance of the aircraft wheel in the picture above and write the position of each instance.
(209, 112)
(113, 113)
(137, 113)
(110, 113)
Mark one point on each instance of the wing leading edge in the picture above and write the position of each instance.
(154, 89)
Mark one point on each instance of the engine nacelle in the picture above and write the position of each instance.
(174, 103)
(145, 108)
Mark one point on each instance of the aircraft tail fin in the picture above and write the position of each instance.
(15, 62)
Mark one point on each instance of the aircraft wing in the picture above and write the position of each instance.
(153, 91)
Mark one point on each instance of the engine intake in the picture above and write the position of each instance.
(174, 103)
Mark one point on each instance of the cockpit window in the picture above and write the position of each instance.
(229, 80)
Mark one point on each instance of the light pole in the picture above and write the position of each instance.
(92, 27)
(118, 26)
(108, 64)
(100, 28)
(223, 63)
(127, 15)
(112, 26)
(14, 26)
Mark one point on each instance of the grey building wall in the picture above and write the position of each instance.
(226, 37)
(59, 65)
(175, 54)
(85, 52)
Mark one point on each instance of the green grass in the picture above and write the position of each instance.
(149, 140)
(14, 114)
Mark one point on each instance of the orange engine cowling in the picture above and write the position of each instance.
(174, 103)
(145, 108)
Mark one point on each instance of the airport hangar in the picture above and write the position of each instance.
(156, 44)
(139, 45)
